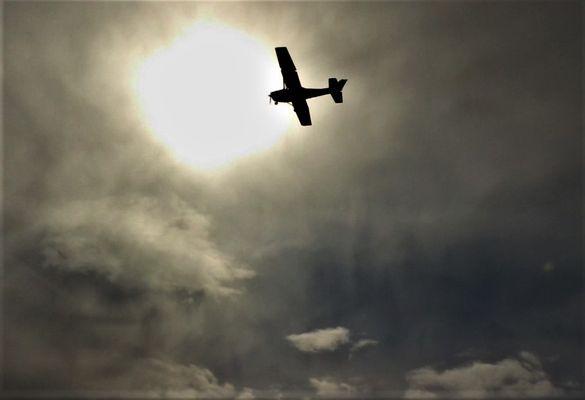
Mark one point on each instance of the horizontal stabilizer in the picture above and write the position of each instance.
(335, 88)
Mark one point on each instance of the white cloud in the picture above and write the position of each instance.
(320, 340)
(144, 242)
(329, 387)
(522, 377)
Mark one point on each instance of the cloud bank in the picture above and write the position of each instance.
(512, 377)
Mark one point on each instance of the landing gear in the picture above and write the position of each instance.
(276, 103)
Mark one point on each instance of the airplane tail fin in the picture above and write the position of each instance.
(335, 87)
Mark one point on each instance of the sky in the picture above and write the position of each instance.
(422, 239)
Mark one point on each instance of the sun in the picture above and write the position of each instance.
(206, 95)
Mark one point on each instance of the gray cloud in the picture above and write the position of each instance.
(420, 211)
(320, 340)
(155, 243)
(246, 393)
(512, 377)
(171, 380)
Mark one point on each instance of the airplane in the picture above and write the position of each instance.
(293, 93)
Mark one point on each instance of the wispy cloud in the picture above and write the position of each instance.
(362, 344)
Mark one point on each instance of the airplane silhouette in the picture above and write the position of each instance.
(294, 93)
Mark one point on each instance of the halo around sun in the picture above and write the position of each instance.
(206, 95)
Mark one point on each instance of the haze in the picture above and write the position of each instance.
(421, 239)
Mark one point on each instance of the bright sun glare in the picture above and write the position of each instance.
(206, 95)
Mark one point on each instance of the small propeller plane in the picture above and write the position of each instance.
(293, 93)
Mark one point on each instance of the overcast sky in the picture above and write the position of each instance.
(422, 238)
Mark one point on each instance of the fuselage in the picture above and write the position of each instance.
(288, 95)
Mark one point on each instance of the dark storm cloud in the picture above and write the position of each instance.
(437, 210)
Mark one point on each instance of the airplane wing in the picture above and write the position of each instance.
(302, 110)
(287, 67)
